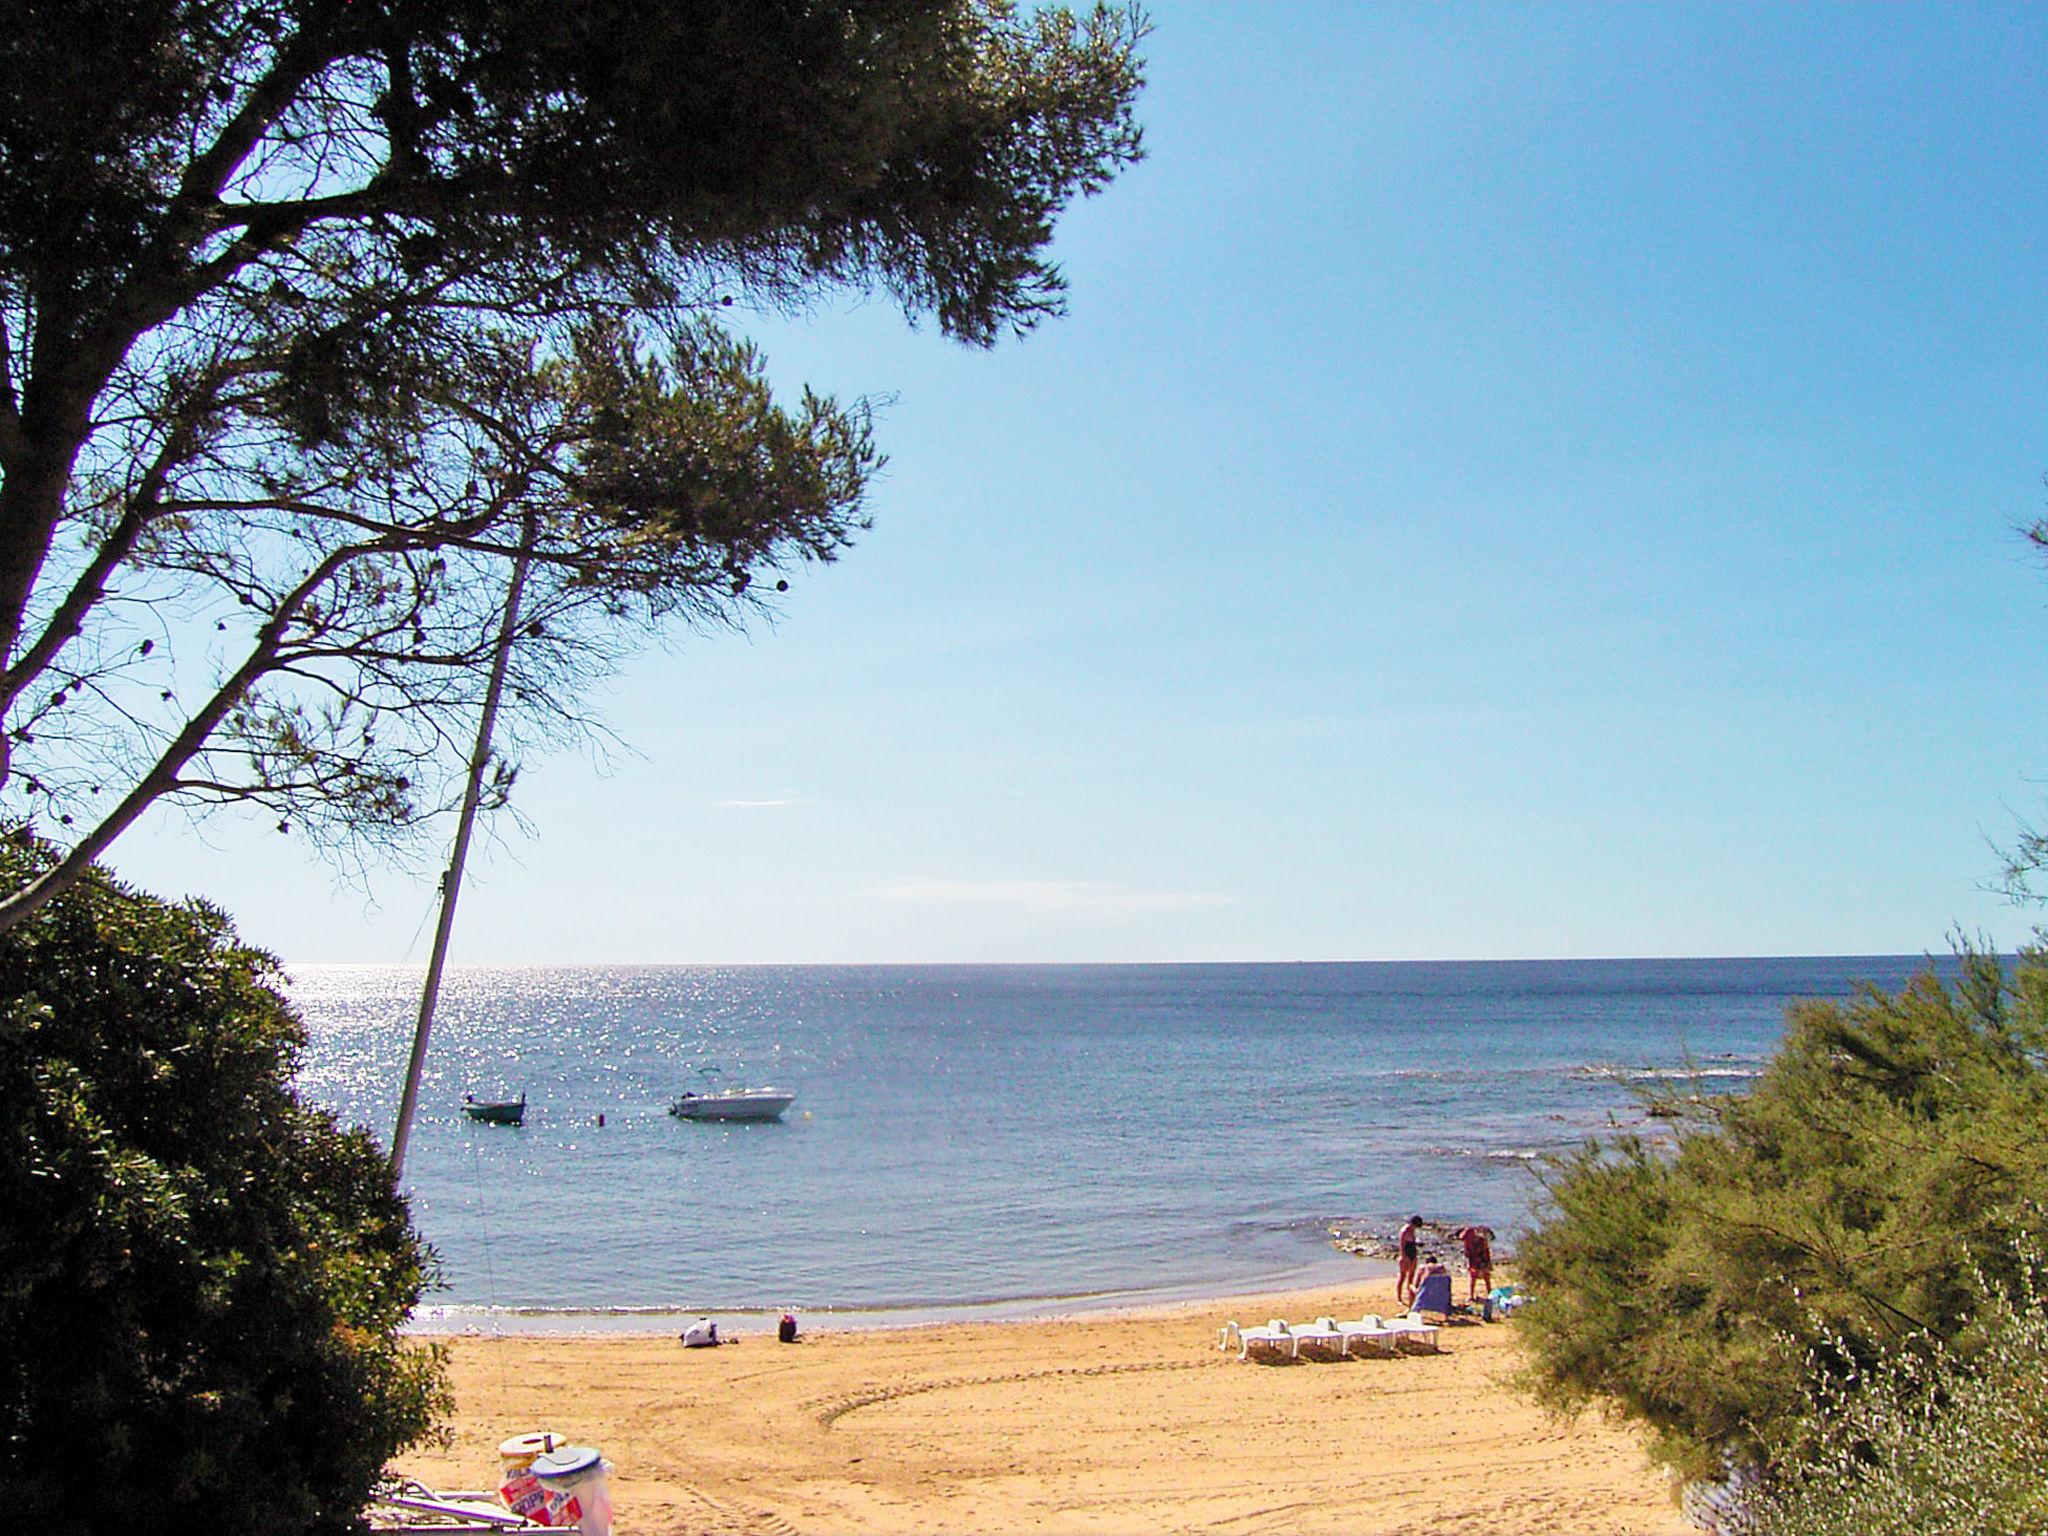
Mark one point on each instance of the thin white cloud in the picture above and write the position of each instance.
(1084, 897)
(755, 805)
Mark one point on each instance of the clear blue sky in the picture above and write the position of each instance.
(1525, 481)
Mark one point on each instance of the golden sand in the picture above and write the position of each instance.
(1105, 1424)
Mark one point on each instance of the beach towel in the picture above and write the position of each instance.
(1434, 1296)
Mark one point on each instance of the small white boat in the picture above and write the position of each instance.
(495, 1111)
(733, 1104)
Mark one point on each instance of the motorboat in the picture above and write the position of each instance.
(495, 1111)
(732, 1104)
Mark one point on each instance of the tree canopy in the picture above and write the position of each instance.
(201, 1278)
(1884, 1170)
(310, 310)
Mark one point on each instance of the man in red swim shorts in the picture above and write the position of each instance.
(1478, 1243)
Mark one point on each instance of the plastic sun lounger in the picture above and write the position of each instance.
(1273, 1335)
(1323, 1333)
(1411, 1332)
(1369, 1335)
(412, 1509)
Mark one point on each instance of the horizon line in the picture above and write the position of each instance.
(541, 965)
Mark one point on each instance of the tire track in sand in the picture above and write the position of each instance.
(705, 1514)
(829, 1411)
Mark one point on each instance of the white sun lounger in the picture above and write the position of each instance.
(412, 1509)
(1274, 1335)
(1323, 1332)
(1411, 1332)
(1368, 1335)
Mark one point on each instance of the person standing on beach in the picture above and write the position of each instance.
(1478, 1243)
(1408, 1255)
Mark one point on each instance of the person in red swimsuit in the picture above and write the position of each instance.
(1478, 1243)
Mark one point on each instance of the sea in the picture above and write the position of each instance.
(1003, 1140)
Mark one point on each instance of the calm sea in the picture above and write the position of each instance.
(1001, 1137)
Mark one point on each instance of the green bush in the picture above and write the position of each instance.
(1923, 1441)
(1801, 1231)
(201, 1277)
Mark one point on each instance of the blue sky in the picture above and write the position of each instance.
(1527, 481)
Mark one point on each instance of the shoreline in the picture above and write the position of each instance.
(945, 1161)
(1105, 1421)
(457, 1320)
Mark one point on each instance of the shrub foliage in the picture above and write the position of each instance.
(1884, 1169)
(201, 1277)
(1923, 1443)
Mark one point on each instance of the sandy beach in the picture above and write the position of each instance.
(1098, 1424)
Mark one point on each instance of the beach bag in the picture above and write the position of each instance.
(786, 1329)
(701, 1334)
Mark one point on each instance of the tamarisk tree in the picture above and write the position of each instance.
(314, 312)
